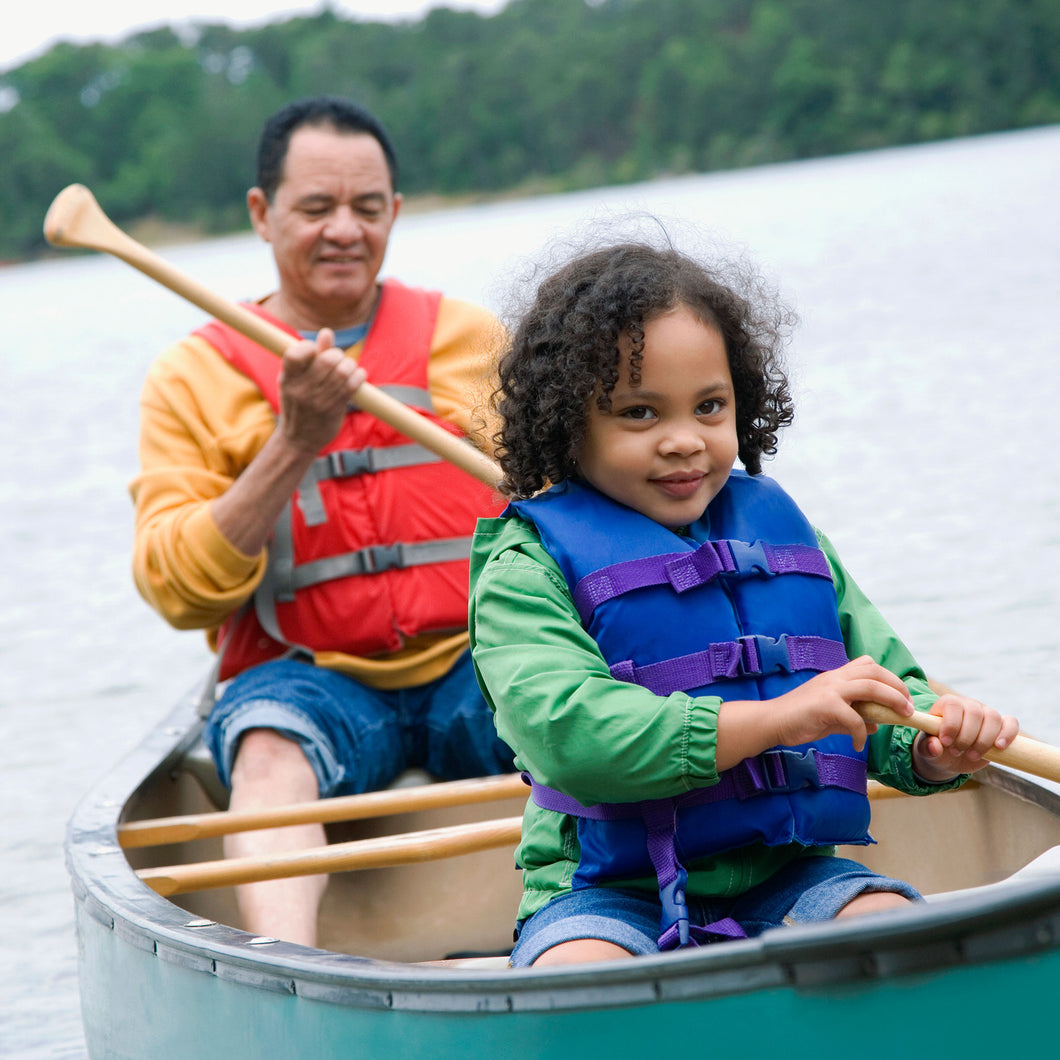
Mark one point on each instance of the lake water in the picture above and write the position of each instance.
(926, 445)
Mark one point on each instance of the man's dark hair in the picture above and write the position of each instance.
(331, 111)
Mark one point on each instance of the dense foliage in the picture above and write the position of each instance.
(545, 93)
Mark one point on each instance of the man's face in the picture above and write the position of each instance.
(328, 224)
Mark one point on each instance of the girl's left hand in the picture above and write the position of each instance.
(969, 729)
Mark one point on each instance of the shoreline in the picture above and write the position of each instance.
(157, 233)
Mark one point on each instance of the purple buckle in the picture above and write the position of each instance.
(750, 558)
(763, 655)
(775, 773)
(675, 908)
(795, 771)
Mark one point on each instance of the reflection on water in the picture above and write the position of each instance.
(925, 447)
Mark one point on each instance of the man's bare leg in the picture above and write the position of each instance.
(271, 770)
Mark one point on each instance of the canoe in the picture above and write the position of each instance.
(413, 964)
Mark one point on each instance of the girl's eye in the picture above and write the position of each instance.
(638, 412)
(710, 407)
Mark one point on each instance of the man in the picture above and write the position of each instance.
(325, 555)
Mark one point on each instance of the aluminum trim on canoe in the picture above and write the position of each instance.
(985, 924)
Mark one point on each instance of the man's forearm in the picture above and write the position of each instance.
(247, 511)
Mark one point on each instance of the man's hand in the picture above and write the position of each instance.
(317, 383)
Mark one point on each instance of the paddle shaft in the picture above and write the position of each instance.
(321, 811)
(383, 852)
(1027, 755)
(75, 219)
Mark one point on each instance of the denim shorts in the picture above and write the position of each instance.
(359, 738)
(810, 889)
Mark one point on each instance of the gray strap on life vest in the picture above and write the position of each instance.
(344, 463)
(208, 692)
(276, 583)
(413, 396)
(325, 467)
(282, 577)
(377, 558)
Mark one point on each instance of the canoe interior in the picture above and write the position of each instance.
(465, 906)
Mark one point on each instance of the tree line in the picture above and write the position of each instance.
(543, 95)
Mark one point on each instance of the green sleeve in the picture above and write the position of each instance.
(575, 727)
(866, 632)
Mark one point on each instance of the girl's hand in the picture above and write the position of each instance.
(823, 706)
(969, 729)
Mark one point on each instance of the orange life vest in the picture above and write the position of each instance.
(374, 546)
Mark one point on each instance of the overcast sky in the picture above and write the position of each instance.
(39, 25)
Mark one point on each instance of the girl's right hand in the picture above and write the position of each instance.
(823, 706)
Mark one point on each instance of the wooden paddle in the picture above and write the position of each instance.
(383, 852)
(344, 808)
(75, 219)
(1027, 755)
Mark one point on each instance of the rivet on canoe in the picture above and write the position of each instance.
(200, 923)
(262, 940)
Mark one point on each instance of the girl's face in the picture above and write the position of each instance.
(667, 446)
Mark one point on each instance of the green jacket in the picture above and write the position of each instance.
(575, 728)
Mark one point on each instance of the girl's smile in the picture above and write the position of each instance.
(666, 446)
(680, 486)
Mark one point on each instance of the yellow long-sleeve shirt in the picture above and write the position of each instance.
(202, 422)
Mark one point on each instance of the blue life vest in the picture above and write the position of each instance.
(743, 607)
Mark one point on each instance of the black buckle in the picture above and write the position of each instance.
(381, 558)
(344, 463)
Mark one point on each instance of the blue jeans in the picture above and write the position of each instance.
(359, 738)
(809, 889)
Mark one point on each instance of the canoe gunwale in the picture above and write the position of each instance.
(1007, 920)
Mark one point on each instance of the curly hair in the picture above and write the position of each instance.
(565, 351)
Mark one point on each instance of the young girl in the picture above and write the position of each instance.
(671, 649)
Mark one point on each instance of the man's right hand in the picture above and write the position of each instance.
(317, 383)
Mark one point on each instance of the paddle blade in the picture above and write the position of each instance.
(75, 219)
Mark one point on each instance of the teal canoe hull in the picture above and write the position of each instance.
(139, 1003)
(981, 968)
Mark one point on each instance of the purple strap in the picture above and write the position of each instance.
(660, 822)
(778, 771)
(745, 656)
(698, 935)
(686, 570)
(775, 772)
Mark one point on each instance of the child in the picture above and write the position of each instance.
(664, 640)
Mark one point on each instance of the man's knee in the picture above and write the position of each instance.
(265, 756)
